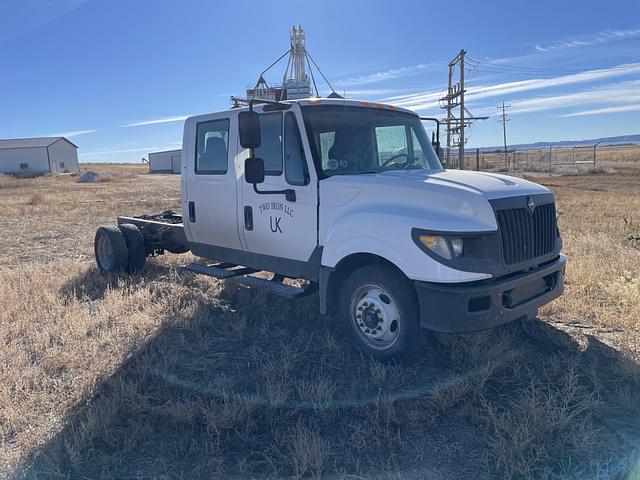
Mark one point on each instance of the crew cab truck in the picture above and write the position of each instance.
(351, 197)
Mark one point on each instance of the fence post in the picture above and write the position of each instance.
(477, 159)
(550, 158)
(595, 148)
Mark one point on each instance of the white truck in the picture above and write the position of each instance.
(351, 197)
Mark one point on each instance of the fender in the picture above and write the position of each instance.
(357, 233)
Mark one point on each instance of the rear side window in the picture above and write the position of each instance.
(212, 147)
(295, 168)
(270, 149)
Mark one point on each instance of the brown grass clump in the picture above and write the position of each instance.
(9, 181)
(166, 374)
(36, 199)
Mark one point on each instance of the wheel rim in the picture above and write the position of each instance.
(105, 252)
(376, 316)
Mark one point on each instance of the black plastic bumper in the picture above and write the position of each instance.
(457, 308)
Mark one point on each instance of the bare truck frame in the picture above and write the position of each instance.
(151, 235)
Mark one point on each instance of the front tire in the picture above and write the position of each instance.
(110, 249)
(379, 312)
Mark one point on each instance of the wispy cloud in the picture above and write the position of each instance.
(587, 40)
(598, 111)
(21, 16)
(429, 99)
(616, 95)
(156, 121)
(369, 92)
(69, 134)
(384, 75)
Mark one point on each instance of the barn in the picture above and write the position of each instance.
(38, 155)
(169, 161)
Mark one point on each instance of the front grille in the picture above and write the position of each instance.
(527, 236)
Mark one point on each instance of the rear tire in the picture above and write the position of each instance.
(110, 248)
(379, 312)
(135, 246)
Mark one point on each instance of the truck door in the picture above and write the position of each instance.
(270, 224)
(210, 178)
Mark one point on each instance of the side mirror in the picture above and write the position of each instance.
(435, 143)
(249, 129)
(254, 170)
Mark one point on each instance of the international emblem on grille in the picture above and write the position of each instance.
(531, 205)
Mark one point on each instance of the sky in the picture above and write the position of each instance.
(119, 77)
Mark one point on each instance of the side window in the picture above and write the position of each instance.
(295, 162)
(270, 149)
(392, 142)
(212, 147)
(327, 139)
(418, 153)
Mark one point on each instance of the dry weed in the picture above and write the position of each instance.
(169, 374)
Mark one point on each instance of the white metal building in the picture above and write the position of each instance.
(169, 161)
(38, 155)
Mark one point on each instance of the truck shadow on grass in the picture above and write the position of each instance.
(253, 386)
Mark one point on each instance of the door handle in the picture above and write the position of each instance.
(248, 218)
(192, 212)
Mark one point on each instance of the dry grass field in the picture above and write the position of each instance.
(169, 375)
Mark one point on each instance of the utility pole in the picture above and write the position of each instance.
(504, 121)
(462, 138)
(453, 100)
(448, 99)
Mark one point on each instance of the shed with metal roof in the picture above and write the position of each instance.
(169, 161)
(38, 155)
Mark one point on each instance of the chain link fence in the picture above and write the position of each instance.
(544, 159)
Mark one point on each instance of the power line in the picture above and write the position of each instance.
(511, 68)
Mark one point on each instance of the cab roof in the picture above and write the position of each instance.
(323, 101)
(351, 103)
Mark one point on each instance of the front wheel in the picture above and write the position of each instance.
(379, 312)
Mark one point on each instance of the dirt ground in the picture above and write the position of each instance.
(166, 375)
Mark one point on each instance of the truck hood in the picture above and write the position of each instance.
(488, 185)
(449, 200)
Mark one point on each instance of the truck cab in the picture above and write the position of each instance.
(351, 196)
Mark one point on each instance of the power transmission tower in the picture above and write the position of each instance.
(504, 121)
(450, 102)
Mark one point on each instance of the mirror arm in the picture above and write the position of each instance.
(432, 119)
(288, 193)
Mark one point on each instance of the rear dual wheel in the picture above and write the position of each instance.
(119, 248)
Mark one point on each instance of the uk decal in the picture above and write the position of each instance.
(276, 211)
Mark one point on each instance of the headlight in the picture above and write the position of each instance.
(445, 247)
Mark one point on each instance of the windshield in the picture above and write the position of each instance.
(354, 140)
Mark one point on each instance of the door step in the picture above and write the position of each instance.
(219, 270)
(278, 288)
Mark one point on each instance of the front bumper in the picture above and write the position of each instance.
(457, 308)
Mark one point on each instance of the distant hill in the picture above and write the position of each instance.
(620, 140)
